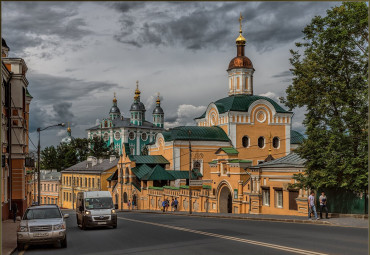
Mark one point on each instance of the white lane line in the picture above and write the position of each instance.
(268, 245)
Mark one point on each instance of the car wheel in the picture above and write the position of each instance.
(20, 246)
(63, 243)
(115, 226)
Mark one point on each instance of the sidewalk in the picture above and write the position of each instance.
(9, 236)
(341, 221)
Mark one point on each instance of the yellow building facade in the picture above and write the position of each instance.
(241, 149)
(89, 175)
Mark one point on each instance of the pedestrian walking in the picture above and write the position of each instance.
(323, 206)
(172, 205)
(176, 203)
(311, 205)
(167, 204)
(164, 205)
(133, 204)
(129, 204)
(14, 211)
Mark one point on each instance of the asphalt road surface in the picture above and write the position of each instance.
(141, 233)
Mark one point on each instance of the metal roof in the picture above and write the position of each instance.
(197, 134)
(241, 103)
(158, 174)
(99, 167)
(290, 160)
(296, 137)
(228, 150)
(149, 159)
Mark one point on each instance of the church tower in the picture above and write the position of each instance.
(137, 109)
(240, 69)
(114, 111)
(158, 114)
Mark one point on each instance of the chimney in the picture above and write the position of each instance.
(94, 161)
(112, 158)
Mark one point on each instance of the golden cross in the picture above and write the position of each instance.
(240, 21)
(158, 94)
(137, 84)
(68, 124)
(114, 94)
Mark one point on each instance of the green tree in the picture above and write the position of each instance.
(330, 80)
(81, 146)
(48, 158)
(99, 148)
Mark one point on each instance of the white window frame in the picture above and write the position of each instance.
(266, 197)
(278, 200)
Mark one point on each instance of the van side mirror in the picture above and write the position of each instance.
(116, 206)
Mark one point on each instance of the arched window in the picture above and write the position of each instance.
(106, 136)
(245, 141)
(276, 142)
(125, 197)
(145, 151)
(261, 142)
(131, 135)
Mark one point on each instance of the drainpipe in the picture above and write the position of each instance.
(10, 140)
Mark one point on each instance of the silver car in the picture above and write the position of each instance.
(43, 224)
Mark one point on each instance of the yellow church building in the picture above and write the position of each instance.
(241, 149)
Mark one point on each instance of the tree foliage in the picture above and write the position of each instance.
(330, 79)
(66, 155)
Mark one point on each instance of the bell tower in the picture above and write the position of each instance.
(240, 68)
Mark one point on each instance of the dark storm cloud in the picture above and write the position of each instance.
(25, 24)
(63, 111)
(53, 97)
(283, 74)
(51, 89)
(203, 25)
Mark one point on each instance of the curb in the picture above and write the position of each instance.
(239, 218)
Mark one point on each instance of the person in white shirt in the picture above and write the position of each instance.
(311, 205)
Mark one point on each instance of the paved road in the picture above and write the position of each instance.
(171, 234)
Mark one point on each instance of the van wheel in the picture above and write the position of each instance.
(63, 243)
(20, 246)
(115, 226)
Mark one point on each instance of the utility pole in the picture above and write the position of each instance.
(190, 203)
(121, 174)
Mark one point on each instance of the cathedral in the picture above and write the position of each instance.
(241, 148)
(134, 132)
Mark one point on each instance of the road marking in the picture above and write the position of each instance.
(268, 245)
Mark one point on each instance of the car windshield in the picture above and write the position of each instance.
(42, 213)
(99, 203)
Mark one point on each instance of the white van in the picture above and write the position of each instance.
(95, 208)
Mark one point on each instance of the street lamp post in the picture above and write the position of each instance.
(38, 161)
(190, 166)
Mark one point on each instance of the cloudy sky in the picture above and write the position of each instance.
(79, 53)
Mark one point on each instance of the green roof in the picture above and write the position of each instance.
(141, 171)
(241, 103)
(158, 174)
(28, 94)
(136, 186)
(228, 150)
(149, 159)
(197, 134)
(296, 137)
(113, 176)
(183, 174)
(240, 161)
